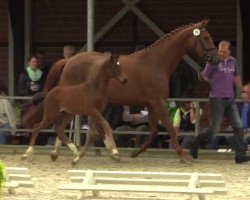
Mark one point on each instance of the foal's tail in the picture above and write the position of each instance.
(33, 115)
(38, 98)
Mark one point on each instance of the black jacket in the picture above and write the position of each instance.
(24, 83)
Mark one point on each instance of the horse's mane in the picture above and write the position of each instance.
(168, 36)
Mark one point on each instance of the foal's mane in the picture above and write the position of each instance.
(99, 70)
(168, 36)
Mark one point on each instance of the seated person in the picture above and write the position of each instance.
(30, 80)
(43, 64)
(132, 120)
(244, 110)
(184, 120)
(160, 139)
(7, 119)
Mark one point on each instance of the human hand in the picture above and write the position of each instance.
(137, 116)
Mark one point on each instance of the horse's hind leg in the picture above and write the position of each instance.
(153, 127)
(38, 127)
(66, 118)
(55, 153)
(60, 125)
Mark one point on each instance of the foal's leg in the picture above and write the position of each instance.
(153, 127)
(89, 138)
(61, 123)
(66, 119)
(104, 128)
(97, 121)
(47, 120)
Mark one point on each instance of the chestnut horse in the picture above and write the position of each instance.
(149, 72)
(87, 98)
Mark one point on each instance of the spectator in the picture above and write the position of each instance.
(183, 119)
(7, 119)
(244, 109)
(43, 64)
(30, 83)
(68, 51)
(132, 119)
(30, 80)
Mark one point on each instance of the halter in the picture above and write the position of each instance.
(196, 33)
(116, 68)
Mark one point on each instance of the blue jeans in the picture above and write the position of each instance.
(4, 134)
(219, 108)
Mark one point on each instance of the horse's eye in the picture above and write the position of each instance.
(206, 38)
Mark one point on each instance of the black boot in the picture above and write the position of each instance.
(241, 158)
(194, 146)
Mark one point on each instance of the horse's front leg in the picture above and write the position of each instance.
(105, 130)
(89, 138)
(163, 115)
(153, 127)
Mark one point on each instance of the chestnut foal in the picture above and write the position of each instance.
(88, 98)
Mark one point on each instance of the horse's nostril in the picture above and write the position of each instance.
(125, 80)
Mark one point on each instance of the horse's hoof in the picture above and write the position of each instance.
(116, 157)
(24, 157)
(134, 154)
(186, 159)
(73, 163)
(53, 157)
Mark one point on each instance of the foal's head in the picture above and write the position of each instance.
(116, 71)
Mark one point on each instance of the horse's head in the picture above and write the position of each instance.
(202, 43)
(117, 72)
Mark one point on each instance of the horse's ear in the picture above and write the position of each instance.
(114, 57)
(204, 23)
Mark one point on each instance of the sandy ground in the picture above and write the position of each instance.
(48, 175)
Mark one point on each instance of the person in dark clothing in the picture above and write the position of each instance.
(29, 81)
(222, 78)
(43, 64)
